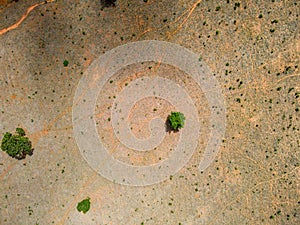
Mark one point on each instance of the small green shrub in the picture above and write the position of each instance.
(176, 120)
(84, 205)
(66, 63)
(16, 145)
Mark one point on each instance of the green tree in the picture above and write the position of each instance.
(16, 145)
(176, 120)
(84, 205)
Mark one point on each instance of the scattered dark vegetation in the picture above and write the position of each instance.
(16, 145)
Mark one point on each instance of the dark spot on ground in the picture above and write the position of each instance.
(108, 3)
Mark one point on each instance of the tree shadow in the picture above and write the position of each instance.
(24, 154)
(168, 127)
(108, 3)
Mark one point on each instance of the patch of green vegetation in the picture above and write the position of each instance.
(16, 145)
(176, 120)
(20, 131)
(66, 63)
(84, 205)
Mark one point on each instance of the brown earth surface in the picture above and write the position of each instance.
(252, 49)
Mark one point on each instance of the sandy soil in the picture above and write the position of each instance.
(252, 50)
